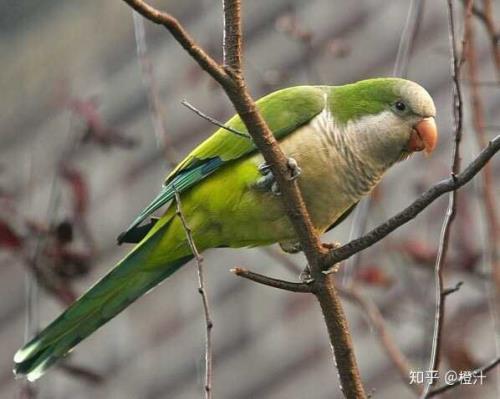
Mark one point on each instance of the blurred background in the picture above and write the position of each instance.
(91, 122)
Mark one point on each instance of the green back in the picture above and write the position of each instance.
(284, 111)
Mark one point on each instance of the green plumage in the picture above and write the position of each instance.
(327, 130)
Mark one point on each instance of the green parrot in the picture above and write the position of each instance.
(340, 140)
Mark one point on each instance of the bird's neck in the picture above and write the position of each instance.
(354, 150)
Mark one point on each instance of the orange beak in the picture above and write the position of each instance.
(424, 136)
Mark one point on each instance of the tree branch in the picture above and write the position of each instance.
(213, 120)
(452, 290)
(206, 62)
(201, 289)
(452, 203)
(272, 282)
(341, 340)
(231, 46)
(478, 372)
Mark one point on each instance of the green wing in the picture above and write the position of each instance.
(284, 111)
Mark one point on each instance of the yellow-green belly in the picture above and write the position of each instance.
(227, 210)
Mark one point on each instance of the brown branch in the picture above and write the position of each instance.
(421, 203)
(202, 291)
(478, 372)
(272, 282)
(232, 43)
(324, 288)
(452, 203)
(338, 331)
(185, 40)
(372, 312)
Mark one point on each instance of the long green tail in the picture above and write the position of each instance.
(118, 289)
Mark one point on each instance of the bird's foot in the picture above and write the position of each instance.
(291, 247)
(268, 183)
(305, 275)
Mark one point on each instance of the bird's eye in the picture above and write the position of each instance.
(400, 106)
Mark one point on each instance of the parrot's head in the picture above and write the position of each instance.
(390, 117)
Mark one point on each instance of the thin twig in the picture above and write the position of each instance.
(213, 120)
(451, 290)
(272, 282)
(452, 204)
(476, 373)
(201, 289)
(417, 206)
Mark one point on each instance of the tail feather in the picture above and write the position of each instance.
(123, 285)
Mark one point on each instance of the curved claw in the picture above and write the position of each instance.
(268, 183)
(305, 275)
(295, 170)
(264, 169)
